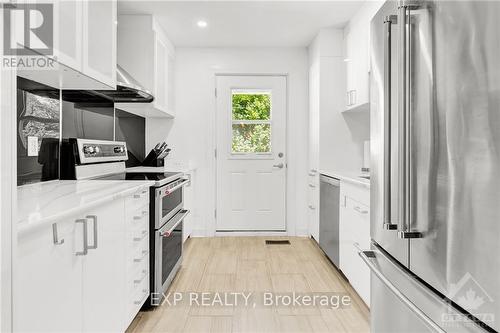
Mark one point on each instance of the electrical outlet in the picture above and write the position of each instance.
(32, 146)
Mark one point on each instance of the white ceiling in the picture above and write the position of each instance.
(244, 23)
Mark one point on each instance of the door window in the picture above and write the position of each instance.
(251, 122)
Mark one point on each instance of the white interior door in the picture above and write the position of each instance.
(251, 153)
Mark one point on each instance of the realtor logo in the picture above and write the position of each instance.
(469, 294)
(28, 29)
(473, 298)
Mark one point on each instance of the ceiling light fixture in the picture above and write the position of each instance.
(202, 24)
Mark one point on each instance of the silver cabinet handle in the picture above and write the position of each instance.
(143, 234)
(57, 241)
(387, 222)
(85, 237)
(361, 211)
(140, 217)
(312, 207)
(144, 253)
(279, 166)
(140, 195)
(366, 255)
(145, 273)
(312, 185)
(94, 221)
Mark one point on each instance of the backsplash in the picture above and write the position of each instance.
(38, 132)
(46, 115)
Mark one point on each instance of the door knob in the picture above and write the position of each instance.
(279, 166)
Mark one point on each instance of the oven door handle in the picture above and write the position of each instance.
(185, 181)
(174, 222)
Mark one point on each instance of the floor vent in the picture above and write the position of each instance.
(277, 242)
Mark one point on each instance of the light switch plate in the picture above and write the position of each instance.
(32, 146)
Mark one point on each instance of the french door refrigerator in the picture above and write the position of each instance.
(435, 161)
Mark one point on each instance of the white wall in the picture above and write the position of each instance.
(191, 133)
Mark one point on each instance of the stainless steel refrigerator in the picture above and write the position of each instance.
(435, 162)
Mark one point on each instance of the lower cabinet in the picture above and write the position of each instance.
(355, 235)
(73, 275)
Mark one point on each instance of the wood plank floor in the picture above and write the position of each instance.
(247, 264)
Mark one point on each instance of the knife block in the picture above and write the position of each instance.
(153, 160)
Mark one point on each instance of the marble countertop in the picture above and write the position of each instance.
(41, 203)
(351, 177)
(160, 169)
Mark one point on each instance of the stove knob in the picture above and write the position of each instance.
(88, 149)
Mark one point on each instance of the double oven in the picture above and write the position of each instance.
(166, 234)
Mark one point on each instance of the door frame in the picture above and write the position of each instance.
(212, 230)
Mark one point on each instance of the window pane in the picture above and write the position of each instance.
(251, 106)
(251, 138)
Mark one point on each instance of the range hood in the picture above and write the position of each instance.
(128, 90)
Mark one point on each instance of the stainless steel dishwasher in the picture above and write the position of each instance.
(329, 196)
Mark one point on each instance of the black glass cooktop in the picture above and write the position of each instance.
(140, 176)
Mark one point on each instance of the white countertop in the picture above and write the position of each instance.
(351, 177)
(44, 202)
(147, 169)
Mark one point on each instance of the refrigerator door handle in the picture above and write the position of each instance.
(367, 257)
(388, 22)
(405, 128)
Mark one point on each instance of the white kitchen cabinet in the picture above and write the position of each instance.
(104, 298)
(68, 33)
(84, 46)
(60, 287)
(99, 40)
(356, 57)
(48, 280)
(146, 53)
(354, 234)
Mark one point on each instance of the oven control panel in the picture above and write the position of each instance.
(90, 150)
(95, 151)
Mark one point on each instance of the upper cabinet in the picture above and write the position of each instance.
(99, 40)
(84, 46)
(357, 57)
(146, 53)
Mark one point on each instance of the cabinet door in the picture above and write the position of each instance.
(48, 280)
(68, 32)
(161, 63)
(99, 40)
(104, 269)
(170, 84)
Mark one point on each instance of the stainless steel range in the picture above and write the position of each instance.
(105, 160)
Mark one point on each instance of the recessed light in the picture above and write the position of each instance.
(202, 24)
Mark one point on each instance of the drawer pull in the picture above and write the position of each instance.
(144, 254)
(140, 217)
(361, 211)
(143, 234)
(312, 185)
(141, 195)
(145, 273)
(312, 207)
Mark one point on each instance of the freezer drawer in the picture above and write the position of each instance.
(401, 303)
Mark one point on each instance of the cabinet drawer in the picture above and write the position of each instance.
(360, 193)
(137, 200)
